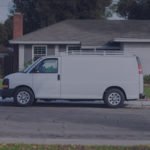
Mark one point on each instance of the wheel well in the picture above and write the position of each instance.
(21, 86)
(114, 87)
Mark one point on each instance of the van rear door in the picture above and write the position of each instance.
(140, 72)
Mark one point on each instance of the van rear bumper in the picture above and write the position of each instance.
(141, 96)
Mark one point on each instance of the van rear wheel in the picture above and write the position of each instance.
(114, 98)
(23, 97)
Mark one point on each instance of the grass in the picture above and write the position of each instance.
(147, 91)
(68, 147)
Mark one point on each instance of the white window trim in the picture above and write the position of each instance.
(56, 49)
(21, 57)
(33, 46)
(67, 47)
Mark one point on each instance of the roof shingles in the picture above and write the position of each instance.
(90, 32)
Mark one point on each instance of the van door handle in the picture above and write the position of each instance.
(58, 77)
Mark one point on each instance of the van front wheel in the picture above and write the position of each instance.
(23, 97)
(114, 98)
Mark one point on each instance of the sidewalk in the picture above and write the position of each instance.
(145, 103)
(79, 141)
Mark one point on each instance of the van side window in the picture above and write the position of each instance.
(48, 66)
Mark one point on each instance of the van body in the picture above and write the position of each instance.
(113, 79)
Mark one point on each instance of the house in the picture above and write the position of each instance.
(131, 36)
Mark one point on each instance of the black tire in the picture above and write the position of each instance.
(35, 101)
(23, 97)
(114, 98)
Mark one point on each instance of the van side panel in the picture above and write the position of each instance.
(80, 77)
(87, 77)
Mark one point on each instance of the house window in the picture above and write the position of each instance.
(71, 48)
(39, 51)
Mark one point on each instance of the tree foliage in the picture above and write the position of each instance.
(134, 9)
(5, 31)
(41, 13)
(3, 34)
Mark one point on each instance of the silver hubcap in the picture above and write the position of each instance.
(114, 99)
(23, 97)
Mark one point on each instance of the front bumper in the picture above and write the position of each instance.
(7, 93)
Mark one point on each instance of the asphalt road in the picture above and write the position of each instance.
(90, 121)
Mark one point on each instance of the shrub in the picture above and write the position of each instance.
(147, 79)
(1, 72)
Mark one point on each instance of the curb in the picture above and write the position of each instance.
(138, 104)
(74, 141)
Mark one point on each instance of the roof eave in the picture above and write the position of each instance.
(44, 42)
(135, 40)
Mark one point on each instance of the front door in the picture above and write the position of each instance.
(46, 82)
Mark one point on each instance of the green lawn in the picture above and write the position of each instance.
(69, 147)
(147, 91)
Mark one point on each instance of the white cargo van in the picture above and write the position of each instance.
(112, 78)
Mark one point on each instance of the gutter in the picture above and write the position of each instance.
(135, 40)
(44, 42)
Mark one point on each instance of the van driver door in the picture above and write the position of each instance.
(46, 79)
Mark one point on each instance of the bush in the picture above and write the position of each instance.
(147, 79)
(0, 83)
(1, 72)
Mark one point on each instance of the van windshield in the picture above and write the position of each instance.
(26, 69)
